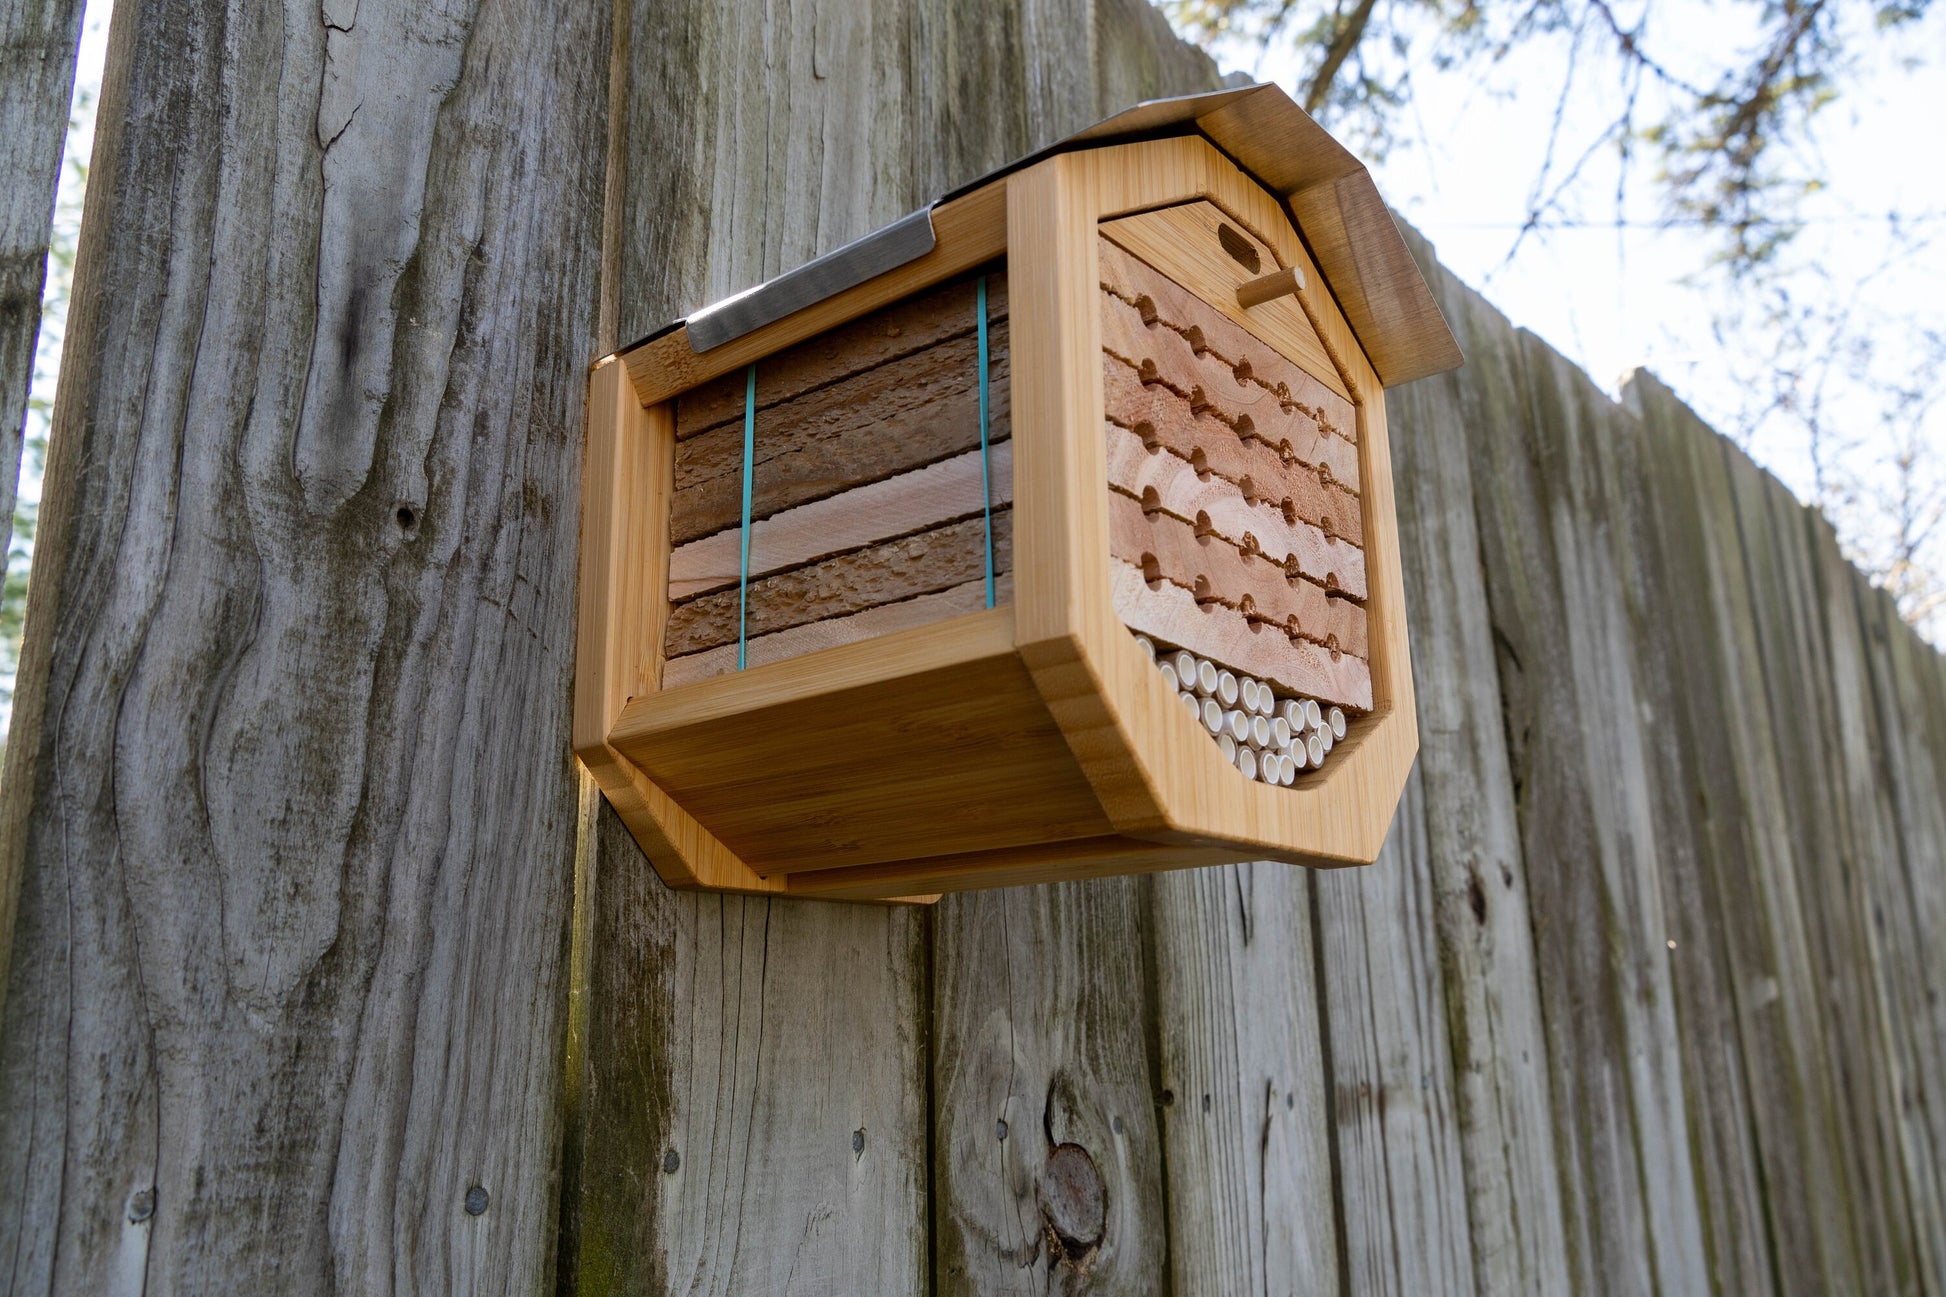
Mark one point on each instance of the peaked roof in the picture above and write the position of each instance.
(1350, 232)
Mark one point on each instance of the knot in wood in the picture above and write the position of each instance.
(1074, 1203)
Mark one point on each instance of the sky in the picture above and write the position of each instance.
(1469, 147)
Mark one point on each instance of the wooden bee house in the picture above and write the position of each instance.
(1047, 533)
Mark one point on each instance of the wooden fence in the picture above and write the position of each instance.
(331, 974)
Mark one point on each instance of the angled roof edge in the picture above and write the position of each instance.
(1358, 249)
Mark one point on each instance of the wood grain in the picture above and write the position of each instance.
(945, 491)
(831, 632)
(1212, 568)
(1397, 1134)
(920, 564)
(1245, 1115)
(1181, 242)
(1137, 282)
(1160, 417)
(888, 420)
(1170, 614)
(36, 84)
(1162, 480)
(1042, 1020)
(288, 771)
(919, 323)
(1478, 873)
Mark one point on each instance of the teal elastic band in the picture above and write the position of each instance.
(749, 474)
(986, 460)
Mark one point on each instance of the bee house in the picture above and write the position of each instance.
(1046, 533)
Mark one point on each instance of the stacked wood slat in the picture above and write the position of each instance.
(1235, 525)
(869, 488)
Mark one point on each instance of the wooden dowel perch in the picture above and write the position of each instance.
(1267, 288)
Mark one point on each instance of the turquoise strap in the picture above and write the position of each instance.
(986, 460)
(749, 474)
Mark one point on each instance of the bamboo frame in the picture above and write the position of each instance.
(1047, 745)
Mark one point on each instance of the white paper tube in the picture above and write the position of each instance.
(1247, 763)
(1336, 720)
(1185, 668)
(1324, 733)
(1169, 674)
(1312, 716)
(1229, 746)
(1192, 702)
(1299, 757)
(1238, 725)
(1248, 689)
(1314, 748)
(1226, 688)
(1280, 733)
(1287, 772)
(1260, 731)
(1293, 713)
(1270, 767)
(1147, 646)
(1212, 716)
(1207, 677)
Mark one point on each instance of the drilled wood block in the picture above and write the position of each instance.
(1164, 479)
(1162, 356)
(1170, 614)
(898, 506)
(925, 563)
(1159, 299)
(1155, 413)
(883, 336)
(1212, 568)
(901, 415)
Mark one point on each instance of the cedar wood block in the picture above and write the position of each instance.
(873, 622)
(1156, 414)
(867, 342)
(1137, 470)
(896, 570)
(1170, 614)
(1212, 568)
(944, 491)
(1164, 356)
(900, 415)
(1128, 277)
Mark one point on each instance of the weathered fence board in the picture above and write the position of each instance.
(287, 769)
(1477, 871)
(37, 52)
(1399, 1147)
(1047, 1157)
(1246, 1135)
(1627, 1197)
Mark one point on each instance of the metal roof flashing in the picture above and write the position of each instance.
(1329, 193)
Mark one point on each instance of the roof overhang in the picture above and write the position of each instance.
(1330, 194)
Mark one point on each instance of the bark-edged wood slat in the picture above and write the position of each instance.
(945, 491)
(881, 339)
(877, 423)
(923, 563)
(882, 619)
